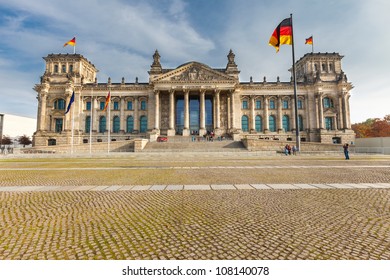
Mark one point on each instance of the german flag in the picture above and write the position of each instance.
(282, 34)
(309, 41)
(108, 98)
(71, 42)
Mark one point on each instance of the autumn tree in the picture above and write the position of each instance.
(373, 128)
(6, 140)
(24, 140)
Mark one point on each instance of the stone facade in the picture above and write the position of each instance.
(193, 99)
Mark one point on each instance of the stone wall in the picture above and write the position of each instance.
(275, 145)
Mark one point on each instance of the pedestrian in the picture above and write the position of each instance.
(294, 150)
(346, 151)
(286, 150)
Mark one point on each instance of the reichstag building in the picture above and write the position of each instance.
(193, 99)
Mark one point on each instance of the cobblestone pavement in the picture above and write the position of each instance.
(281, 217)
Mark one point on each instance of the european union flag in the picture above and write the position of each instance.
(70, 103)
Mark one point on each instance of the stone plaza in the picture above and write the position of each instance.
(195, 206)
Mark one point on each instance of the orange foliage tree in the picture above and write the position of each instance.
(373, 128)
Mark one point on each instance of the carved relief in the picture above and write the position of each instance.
(195, 74)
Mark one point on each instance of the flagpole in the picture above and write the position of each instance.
(71, 145)
(312, 44)
(90, 124)
(298, 138)
(109, 123)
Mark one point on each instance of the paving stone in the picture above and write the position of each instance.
(222, 187)
(282, 186)
(261, 186)
(174, 187)
(197, 187)
(158, 187)
(243, 187)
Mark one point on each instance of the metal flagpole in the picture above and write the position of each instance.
(109, 122)
(298, 138)
(71, 145)
(312, 44)
(90, 124)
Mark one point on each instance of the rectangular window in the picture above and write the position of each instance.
(102, 103)
(272, 104)
(329, 123)
(56, 68)
(129, 105)
(116, 105)
(71, 68)
(63, 69)
(285, 104)
(244, 104)
(88, 106)
(258, 104)
(58, 123)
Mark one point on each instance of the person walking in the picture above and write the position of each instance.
(346, 151)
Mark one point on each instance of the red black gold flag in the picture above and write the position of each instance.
(309, 41)
(108, 98)
(282, 34)
(71, 42)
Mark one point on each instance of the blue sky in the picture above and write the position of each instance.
(119, 37)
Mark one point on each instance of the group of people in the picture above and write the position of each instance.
(290, 149)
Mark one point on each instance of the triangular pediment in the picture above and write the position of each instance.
(194, 72)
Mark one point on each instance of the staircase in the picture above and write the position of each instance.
(186, 144)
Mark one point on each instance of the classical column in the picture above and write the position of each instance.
(122, 115)
(156, 109)
(340, 123)
(347, 113)
(171, 130)
(293, 123)
(280, 117)
(42, 105)
(217, 109)
(321, 111)
(202, 116)
(232, 113)
(266, 116)
(186, 130)
(95, 117)
(135, 116)
(253, 117)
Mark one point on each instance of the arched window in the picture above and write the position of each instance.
(258, 104)
(300, 104)
(286, 123)
(143, 124)
(245, 123)
(272, 104)
(143, 105)
(102, 124)
(129, 124)
(259, 124)
(272, 123)
(285, 104)
(245, 104)
(300, 123)
(116, 124)
(87, 124)
(59, 104)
